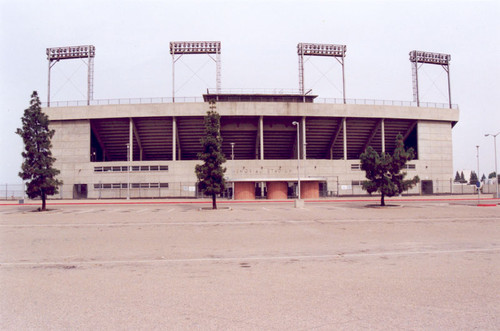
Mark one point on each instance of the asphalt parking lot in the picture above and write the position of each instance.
(251, 266)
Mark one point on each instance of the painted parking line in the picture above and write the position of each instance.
(253, 258)
(258, 222)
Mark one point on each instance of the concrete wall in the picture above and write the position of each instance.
(435, 150)
(71, 148)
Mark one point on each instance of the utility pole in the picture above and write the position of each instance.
(496, 169)
(478, 184)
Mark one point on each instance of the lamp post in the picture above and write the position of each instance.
(495, 147)
(478, 182)
(128, 171)
(298, 156)
(232, 171)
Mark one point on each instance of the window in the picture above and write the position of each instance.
(356, 166)
(132, 168)
(118, 186)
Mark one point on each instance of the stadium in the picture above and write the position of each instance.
(275, 141)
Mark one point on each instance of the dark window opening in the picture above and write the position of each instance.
(412, 141)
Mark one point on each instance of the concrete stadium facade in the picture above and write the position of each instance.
(91, 146)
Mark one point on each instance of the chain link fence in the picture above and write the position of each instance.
(331, 187)
(11, 191)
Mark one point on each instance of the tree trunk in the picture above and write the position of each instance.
(43, 201)
(382, 200)
(214, 201)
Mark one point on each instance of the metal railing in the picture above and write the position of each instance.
(250, 91)
(152, 100)
(124, 101)
(385, 103)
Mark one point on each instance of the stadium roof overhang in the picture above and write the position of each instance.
(258, 95)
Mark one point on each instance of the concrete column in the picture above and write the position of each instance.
(261, 136)
(304, 142)
(131, 139)
(277, 190)
(174, 138)
(344, 129)
(382, 132)
(244, 190)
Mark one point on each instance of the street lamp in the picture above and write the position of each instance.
(232, 159)
(495, 147)
(298, 156)
(478, 181)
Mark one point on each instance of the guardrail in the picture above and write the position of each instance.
(134, 101)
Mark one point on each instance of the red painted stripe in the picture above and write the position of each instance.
(102, 202)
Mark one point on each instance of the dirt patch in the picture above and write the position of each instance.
(383, 207)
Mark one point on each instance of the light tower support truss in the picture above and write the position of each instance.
(55, 54)
(421, 57)
(180, 48)
(329, 50)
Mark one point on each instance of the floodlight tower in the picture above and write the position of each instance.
(181, 48)
(331, 50)
(55, 54)
(417, 57)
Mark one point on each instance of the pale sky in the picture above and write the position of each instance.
(259, 40)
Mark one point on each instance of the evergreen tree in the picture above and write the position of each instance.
(462, 178)
(483, 178)
(210, 174)
(457, 177)
(37, 166)
(473, 178)
(492, 175)
(384, 171)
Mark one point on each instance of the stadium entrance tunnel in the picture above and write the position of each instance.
(276, 189)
